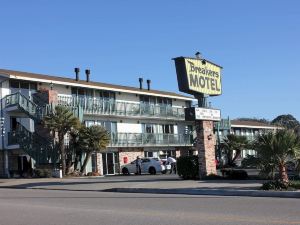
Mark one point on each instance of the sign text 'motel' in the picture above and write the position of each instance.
(196, 76)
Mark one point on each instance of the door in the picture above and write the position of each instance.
(109, 163)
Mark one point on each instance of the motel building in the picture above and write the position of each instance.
(248, 128)
(140, 121)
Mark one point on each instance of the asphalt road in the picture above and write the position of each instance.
(47, 207)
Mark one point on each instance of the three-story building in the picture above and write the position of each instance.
(140, 121)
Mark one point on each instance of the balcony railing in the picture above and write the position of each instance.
(145, 139)
(100, 106)
(29, 107)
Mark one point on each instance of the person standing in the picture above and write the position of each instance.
(171, 161)
(138, 164)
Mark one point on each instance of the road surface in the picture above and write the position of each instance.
(49, 207)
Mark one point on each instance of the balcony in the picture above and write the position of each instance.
(97, 106)
(145, 139)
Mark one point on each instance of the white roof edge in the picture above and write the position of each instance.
(249, 126)
(96, 87)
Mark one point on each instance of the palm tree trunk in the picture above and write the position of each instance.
(283, 174)
(85, 162)
(237, 155)
(62, 152)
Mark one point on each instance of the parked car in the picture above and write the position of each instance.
(149, 165)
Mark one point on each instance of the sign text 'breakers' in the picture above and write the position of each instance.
(198, 76)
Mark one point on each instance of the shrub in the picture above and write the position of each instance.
(188, 167)
(295, 184)
(93, 174)
(275, 185)
(43, 173)
(235, 174)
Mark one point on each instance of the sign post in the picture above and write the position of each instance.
(201, 78)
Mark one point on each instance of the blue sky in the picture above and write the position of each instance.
(257, 43)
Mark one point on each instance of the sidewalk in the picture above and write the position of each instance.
(150, 184)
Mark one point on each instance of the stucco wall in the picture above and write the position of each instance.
(61, 89)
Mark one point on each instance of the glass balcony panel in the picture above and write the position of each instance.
(106, 106)
(150, 139)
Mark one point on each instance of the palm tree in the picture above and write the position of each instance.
(92, 139)
(60, 122)
(275, 149)
(234, 143)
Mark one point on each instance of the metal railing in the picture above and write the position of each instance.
(150, 139)
(22, 102)
(224, 124)
(39, 148)
(104, 106)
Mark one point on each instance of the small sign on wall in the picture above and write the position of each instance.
(197, 113)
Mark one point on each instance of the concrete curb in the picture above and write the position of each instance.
(216, 192)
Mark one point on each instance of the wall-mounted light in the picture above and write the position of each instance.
(119, 93)
(138, 121)
(121, 121)
(67, 86)
(51, 86)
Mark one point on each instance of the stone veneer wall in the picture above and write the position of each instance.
(99, 163)
(206, 148)
(130, 153)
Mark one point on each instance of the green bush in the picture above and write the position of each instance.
(188, 167)
(43, 173)
(235, 174)
(295, 184)
(277, 185)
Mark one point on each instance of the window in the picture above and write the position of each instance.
(168, 129)
(148, 154)
(155, 100)
(24, 85)
(149, 128)
(145, 160)
(80, 91)
(89, 123)
(14, 84)
(188, 104)
(89, 93)
(74, 91)
(33, 86)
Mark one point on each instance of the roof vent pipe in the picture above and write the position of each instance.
(148, 84)
(141, 82)
(77, 70)
(87, 72)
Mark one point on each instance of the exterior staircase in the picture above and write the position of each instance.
(40, 146)
(42, 150)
